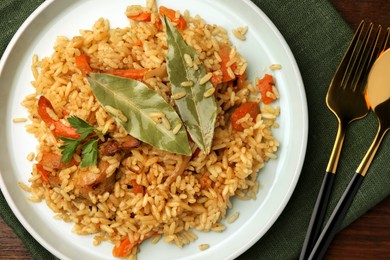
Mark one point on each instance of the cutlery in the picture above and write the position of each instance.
(345, 98)
(378, 96)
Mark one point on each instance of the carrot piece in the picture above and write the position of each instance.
(65, 131)
(215, 80)
(53, 161)
(125, 246)
(142, 17)
(59, 128)
(251, 108)
(138, 43)
(82, 62)
(128, 73)
(43, 105)
(137, 188)
(123, 249)
(224, 54)
(180, 22)
(265, 85)
(44, 173)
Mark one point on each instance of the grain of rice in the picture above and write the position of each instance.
(230, 73)
(166, 123)
(179, 95)
(30, 156)
(52, 114)
(155, 239)
(19, 120)
(268, 116)
(188, 60)
(216, 54)
(232, 53)
(156, 114)
(205, 78)
(275, 66)
(204, 247)
(233, 217)
(176, 129)
(243, 68)
(270, 95)
(209, 92)
(275, 92)
(187, 83)
(24, 187)
(116, 113)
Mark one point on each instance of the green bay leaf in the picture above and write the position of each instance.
(197, 111)
(133, 105)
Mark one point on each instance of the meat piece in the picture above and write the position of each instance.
(53, 162)
(111, 146)
(128, 142)
(49, 167)
(96, 183)
(108, 148)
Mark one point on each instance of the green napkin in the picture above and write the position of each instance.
(318, 38)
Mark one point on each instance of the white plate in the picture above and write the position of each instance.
(264, 46)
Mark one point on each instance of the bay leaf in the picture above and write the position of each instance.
(197, 111)
(132, 104)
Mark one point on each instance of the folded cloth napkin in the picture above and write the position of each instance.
(318, 37)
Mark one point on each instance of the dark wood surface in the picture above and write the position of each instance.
(366, 238)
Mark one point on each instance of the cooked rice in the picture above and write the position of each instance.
(19, 120)
(275, 67)
(205, 78)
(233, 217)
(182, 193)
(204, 246)
(209, 92)
(240, 32)
(179, 95)
(30, 156)
(187, 83)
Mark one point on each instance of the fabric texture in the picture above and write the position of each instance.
(318, 37)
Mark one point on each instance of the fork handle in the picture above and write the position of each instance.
(318, 215)
(335, 220)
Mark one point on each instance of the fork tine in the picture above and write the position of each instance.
(385, 42)
(347, 59)
(367, 59)
(356, 58)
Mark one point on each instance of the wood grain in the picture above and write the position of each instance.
(366, 238)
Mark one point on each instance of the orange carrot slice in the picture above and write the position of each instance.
(265, 85)
(180, 22)
(82, 62)
(251, 108)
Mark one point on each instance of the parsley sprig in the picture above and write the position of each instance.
(89, 147)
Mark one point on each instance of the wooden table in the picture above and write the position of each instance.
(366, 238)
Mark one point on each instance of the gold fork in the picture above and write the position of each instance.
(345, 98)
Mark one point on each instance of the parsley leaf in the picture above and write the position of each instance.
(68, 149)
(90, 152)
(81, 126)
(89, 134)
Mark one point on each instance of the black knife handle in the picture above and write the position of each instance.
(336, 218)
(318, 215)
